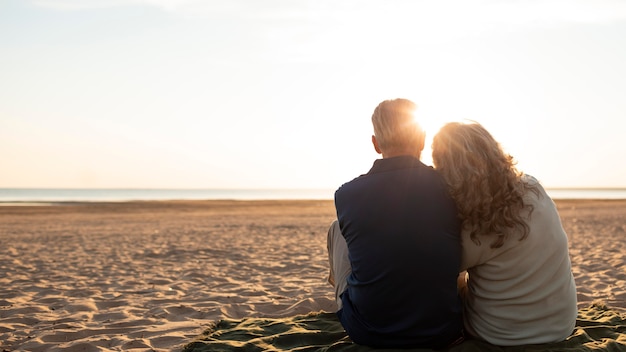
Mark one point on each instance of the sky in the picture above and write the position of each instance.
(279, 93)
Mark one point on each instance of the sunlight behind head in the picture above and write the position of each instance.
(430, 123)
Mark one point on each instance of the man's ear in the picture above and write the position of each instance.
(376, 146)
(422, 141)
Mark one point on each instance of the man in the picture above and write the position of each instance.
(395, 249)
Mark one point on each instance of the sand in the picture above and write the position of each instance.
(153, 275)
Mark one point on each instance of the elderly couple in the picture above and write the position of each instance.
(424, 258)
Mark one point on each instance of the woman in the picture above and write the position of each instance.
(520, 288)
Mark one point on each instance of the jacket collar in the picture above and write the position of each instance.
(396, 163)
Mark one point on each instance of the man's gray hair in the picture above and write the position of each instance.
(395, 126)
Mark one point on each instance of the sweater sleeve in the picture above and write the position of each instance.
(472, 253)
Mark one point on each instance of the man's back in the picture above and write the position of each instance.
(403, 240)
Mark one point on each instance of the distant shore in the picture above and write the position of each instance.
(19, 196)
(154, 274)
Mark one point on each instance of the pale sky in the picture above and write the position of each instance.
(279, 93)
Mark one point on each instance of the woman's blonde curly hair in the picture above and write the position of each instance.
(483, 180)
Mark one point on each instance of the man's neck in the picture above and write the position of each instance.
(393, 154)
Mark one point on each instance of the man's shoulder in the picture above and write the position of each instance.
(354, 183)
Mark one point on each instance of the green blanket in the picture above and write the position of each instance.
(598, 328)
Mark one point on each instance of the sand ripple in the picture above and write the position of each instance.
(102, 277)
(152, 275)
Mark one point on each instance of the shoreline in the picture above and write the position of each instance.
(200, 202)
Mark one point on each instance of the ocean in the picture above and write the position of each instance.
(9, 195)
(35, 195)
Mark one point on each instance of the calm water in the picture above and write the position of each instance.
(8, 195)
(98, 195)
(597, 193)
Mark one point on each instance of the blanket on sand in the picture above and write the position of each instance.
(598, 328)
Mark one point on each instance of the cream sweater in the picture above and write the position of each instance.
(523, 292)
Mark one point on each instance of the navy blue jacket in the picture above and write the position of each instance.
(403, 237)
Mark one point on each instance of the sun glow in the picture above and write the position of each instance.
(504, 64)
(431, 123)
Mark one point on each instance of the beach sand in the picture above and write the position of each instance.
(153, 275)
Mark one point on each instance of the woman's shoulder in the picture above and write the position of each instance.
(534, 189)
(530, 180)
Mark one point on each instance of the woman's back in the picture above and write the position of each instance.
(521, 289)
(522, 292)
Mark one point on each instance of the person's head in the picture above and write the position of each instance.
(459, 148)
(482, 179)
(395, 130)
